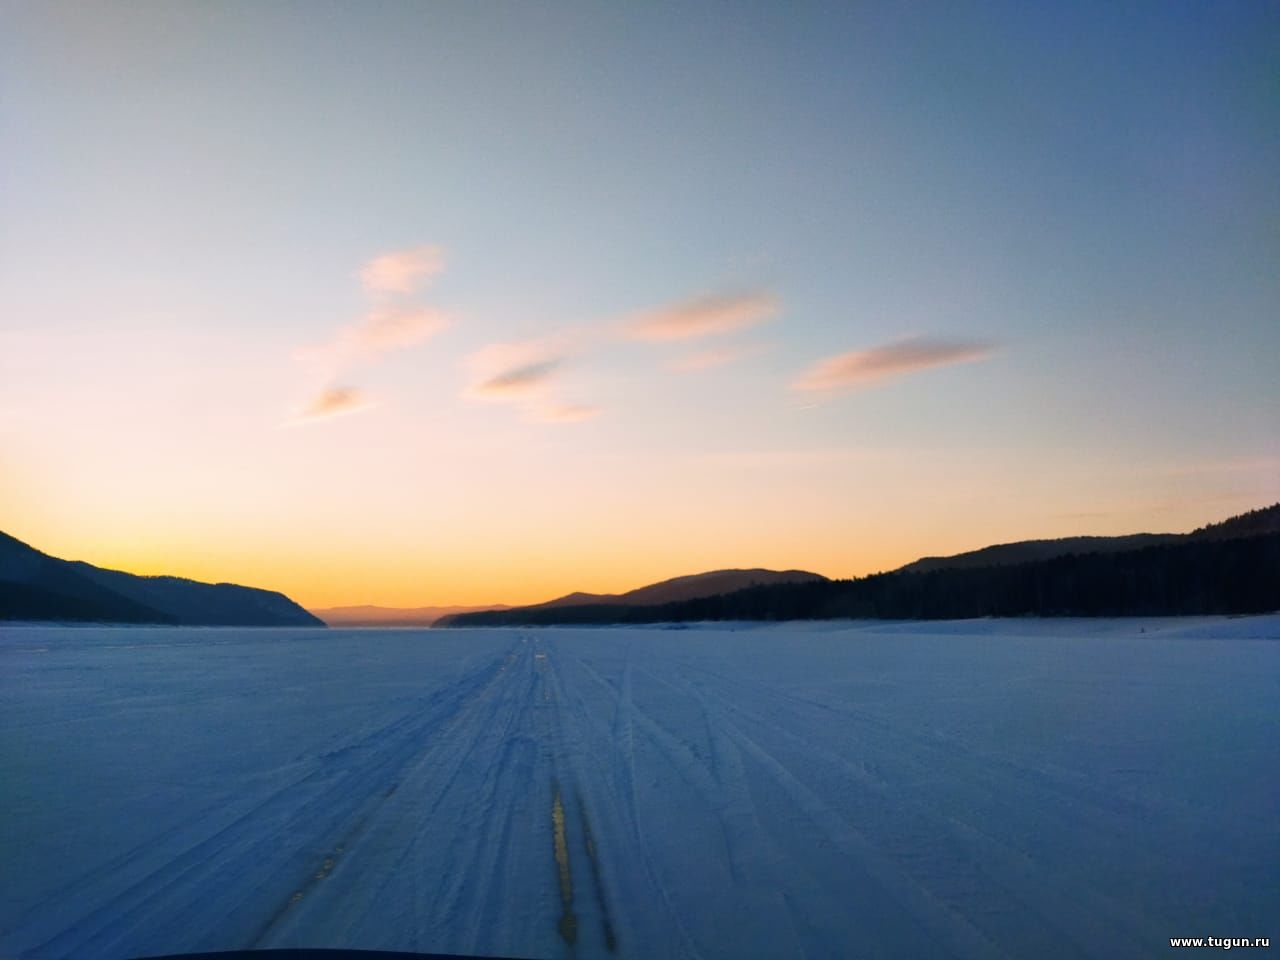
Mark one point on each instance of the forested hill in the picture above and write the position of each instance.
(1264, 520)
(36, 586)
(1202, 575)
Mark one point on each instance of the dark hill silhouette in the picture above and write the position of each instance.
(689, 587)
(1264, 520)
(36, 586)
(1224, 568)
(668, 591)
(1026, 551)
(677, 589)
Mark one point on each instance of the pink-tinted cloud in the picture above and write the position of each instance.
(393, 322)
(524, 379)
(867, 367)
(709, 359)
(704, 317)
(401, 271)
(380, 331)
(333, 402)
(527, 376)
(395, 327)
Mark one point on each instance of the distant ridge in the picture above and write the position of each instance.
(373, 616)
(35, 586)
(667, 591)
(1232, 567)
(1262, 520)
(690, 587)
(1027, 551)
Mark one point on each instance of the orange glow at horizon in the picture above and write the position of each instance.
(431, 499)
(589, 539)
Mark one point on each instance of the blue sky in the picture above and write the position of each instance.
(1078, 204)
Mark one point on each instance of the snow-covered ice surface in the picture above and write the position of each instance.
(973, 789)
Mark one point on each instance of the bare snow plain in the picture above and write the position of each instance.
(1012, 788)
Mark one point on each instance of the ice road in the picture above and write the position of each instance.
(974, 789)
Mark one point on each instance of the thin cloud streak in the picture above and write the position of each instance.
(332, 402)
(521, 379)
(398, 327)
(703, 317)
(877, 365)
(526, 376)
(400, 272)
(380, 331)
(393, 322)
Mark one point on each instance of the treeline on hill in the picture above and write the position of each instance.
(1193, 577)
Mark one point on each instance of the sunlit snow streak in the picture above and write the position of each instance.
(568, 925)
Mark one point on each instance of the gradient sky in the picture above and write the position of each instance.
(416, 303)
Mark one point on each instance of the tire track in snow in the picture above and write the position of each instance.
(595, 849)
(1065, 787)
(349, 842)
(915, 899)
(949, 927)
(1079, 915)
(755, 848)
(622, 746)
(1092, 918)
(177, 887)
(458, 900)
(480, 845)
(610, 937)
(726, 796)
(557, 749)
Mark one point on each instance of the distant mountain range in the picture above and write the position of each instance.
(1265, 520)
(668, 591)
(690, 587)
(1228, 567)
(370, 616)
(36, 586)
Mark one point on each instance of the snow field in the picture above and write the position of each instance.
(970, 789)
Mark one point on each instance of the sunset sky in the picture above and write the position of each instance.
(426, 303)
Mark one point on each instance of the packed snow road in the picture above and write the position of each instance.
(976, 789)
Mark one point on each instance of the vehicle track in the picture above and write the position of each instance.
(339, 793)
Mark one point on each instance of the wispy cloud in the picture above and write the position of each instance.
(703, 317)
(401, 271)
(520, 380)
(332, 402)
(397, 327)
(393, 322)
(527, 376)
(867, 367)
(709, 359)
(380, 331)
